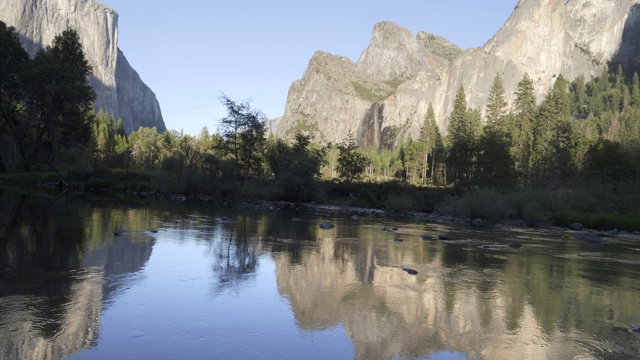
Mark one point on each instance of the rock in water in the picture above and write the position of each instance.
(445, 237)
(515, 245)
(119, 89)
(410, 271)
(426, 237)
(326, 225)
(590, 239)
(576, 227)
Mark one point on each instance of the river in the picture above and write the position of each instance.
(144, 279)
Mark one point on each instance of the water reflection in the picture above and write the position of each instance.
(214, 280)
(58, 258)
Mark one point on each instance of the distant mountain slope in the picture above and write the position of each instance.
(385, 95)
(119, 89)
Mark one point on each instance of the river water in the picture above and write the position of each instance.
(91, 279)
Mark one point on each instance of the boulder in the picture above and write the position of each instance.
(576, 227)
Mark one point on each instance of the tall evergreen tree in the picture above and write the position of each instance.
(352, 163)
(635, 90)
(496, 105)
(553, 133)
(427, 136)
(461, 139)
(525, 115)
(13, 61)
(59, 107)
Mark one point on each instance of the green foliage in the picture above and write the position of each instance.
(597, 221)
(495, 166)
(296, 168)
(496, 106)
(439, 48)
(461, 139)
(352, 163)
(377, 93)
(483, 204)
(244, 130)
(45, 101)
(304, 126)
(391, 196)
(553, 131)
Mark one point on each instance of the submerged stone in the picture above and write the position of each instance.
(590, 239)
(410, 271)
(445, 237)
(426, 237)
(325, 225)
(515, 245)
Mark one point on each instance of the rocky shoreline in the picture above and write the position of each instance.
(578, 231)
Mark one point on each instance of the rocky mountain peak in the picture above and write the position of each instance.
(394, 53)
(543, 38)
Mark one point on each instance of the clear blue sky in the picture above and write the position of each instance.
(191, 51)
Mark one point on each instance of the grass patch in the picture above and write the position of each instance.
(28, 178)
(597, 221)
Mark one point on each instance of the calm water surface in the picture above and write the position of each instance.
(195, 281)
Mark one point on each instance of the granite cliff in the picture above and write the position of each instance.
(385, 95)
(119, 89)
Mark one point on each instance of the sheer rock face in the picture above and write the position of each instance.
(119, 89)
(543, 38)
(394, 53)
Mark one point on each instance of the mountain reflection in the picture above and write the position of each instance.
(59, 259)
(488, 305)
(62, 266)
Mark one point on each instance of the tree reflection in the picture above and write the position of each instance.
(236, 255)
(39, 247)
(57, 258)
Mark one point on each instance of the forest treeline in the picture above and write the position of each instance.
(584, 134)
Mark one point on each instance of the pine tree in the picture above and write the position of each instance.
(496, 105)
(553, 132)
(525, 115)
(635, 91)
(461, 139)
(352, 163)
(427, 136)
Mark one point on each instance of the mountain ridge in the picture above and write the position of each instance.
(542, 38)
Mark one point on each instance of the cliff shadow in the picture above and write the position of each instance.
(628, 54)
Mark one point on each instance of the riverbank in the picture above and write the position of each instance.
(601, 208)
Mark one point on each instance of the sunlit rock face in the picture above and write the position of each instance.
(119, 89)
(405, 74)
